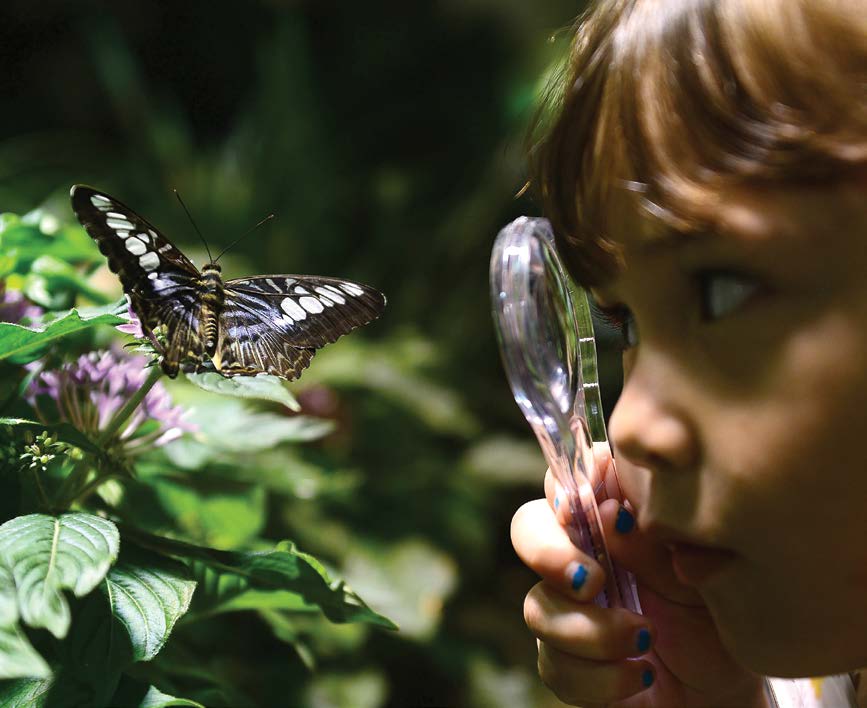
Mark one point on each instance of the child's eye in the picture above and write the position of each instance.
(620, 319)
(722, 292)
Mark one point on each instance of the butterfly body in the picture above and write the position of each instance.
(213, 297)
(262, 324)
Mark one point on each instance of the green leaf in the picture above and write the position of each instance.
(215, 512)
(262, 387)
(8, 598)
(224, 592)
(411, 579)
(148, 593)
(361, 689)
(24, 344)
(228, 425)
(47, 555)
(132, 693)
(51, 280)
(284, 568)
(18, 659)
(128, 620)
(27, 239)
(25, 693)
(64, 431)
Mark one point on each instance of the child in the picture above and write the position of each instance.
(705, 170)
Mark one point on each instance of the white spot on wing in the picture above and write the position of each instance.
(136, 247)
(165, 249)
(272, 284)
(115, 215)
(332, 293)
(288, 281)
(149, 261)
(122, 234)
(352, 289)
(153, 276)
(99, 201)
(301, 291)
(291, 308)
(311, 304)
(118, 224)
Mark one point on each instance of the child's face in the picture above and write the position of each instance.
(743, 418)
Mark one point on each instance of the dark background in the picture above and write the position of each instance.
(388, 140)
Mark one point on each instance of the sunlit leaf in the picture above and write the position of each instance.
(226, 592)
(228, 425)
(148, 594)
(361, 689)
(284, 568)
(215, 512)
(27, 240)
(47, 555)
(25, 692)
(412, 579)
(18, 658)
(50, 277)
(24, 344)
(262, 387)
(132, 693)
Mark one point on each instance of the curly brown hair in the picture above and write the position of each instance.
(661, 104)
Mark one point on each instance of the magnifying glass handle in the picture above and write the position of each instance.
(584, 526)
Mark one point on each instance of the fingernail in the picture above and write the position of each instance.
(647, 678)
(577, 575)
(625, 521)
(643, 642)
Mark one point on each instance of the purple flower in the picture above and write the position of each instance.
(15, 308)
(89, 392)
(134, 325)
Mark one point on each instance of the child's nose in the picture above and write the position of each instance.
(649, 429)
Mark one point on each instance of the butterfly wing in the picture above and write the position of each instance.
(160, 281)
(274, 324)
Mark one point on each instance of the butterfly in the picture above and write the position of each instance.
(269, 324)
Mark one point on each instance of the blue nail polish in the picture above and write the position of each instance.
(625, 521)
(643, 640)
(556, 502)
(578, 577)
(647, 678)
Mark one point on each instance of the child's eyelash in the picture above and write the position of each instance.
(618, 317)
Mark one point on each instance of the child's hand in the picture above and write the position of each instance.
(587, 654)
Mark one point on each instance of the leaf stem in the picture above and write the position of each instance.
(91, 486)
(130, 406)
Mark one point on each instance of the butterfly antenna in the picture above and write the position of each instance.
(237, 240)
(189, 216)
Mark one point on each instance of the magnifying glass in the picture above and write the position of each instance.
(546, 339)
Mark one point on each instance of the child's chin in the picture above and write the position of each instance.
(777, 649)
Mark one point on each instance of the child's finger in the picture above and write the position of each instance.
(579, 681)
(649, 560)
(583, 629)
(543, 545)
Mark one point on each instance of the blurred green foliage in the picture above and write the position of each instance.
(387, 139)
